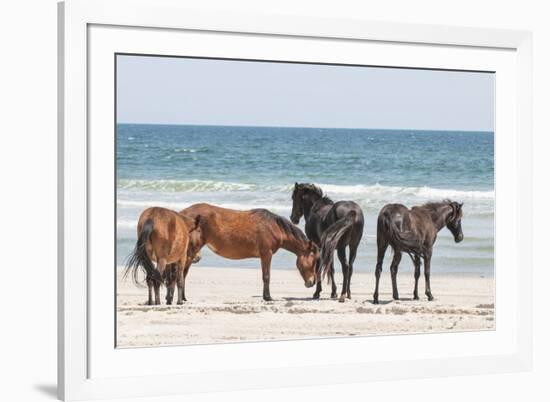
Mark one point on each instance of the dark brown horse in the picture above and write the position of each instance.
(332, 226)
(414, 232)
(257, 233)
(163, 237)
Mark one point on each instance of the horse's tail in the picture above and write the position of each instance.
(404, 240)
(330, 240)
(139, 258)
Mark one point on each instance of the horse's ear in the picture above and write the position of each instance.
(455, 208)
(460, 205)
(295, 184)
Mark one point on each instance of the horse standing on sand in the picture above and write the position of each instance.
(163, 237)
(256, 233)
(193, 256)
(414, 232)
(331, 226)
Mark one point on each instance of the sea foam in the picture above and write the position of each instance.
(329, 189)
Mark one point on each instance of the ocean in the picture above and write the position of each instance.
(174, 166)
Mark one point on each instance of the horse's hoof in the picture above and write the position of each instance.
(334, 296)
(342, 299)
(316, 296)
(375, 301)
(268, 299)
(348, 296)
(416, 297)
(395, 297)
(180, 303)
(168, 302)
(430, 298)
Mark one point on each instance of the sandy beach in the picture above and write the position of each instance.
(225, 305)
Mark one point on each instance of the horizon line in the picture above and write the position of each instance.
(313, 127)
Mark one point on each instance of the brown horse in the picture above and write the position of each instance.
(257, 233)
(414, 232)
(163, 237)
(193, 256)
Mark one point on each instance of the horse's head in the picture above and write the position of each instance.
(303, 197)
(195, 240)
(307, 262)
(454, 221)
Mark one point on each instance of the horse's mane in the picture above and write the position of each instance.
(433, 205)
(325, 201)
(283, 223)
(311, 187)
(317, 191)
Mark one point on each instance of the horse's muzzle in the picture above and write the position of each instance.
(197, 258)
(459, 238)
(309, 283)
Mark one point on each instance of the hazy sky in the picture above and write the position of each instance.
(169, 90)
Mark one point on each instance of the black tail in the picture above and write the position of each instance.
(330, 240)
(139, 258)
(403, 240)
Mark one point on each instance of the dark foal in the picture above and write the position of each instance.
(331, 225)
(414, 232)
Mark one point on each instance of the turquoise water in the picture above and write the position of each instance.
(252, 167)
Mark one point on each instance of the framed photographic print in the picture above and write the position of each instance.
(242, 192)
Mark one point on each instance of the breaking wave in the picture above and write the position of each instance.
(329, 189)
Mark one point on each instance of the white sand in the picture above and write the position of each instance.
(225, 305)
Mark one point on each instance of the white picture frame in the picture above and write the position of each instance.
(90, 32)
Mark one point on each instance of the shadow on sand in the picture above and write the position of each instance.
(47, 389)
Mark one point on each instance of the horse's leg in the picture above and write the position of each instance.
(393, 269)
(157, 292)
(150, 284)
(427, 266)
(319, 287)
(318, 290)
(352, 255)
(382, 246)
(345, 271)
(161, 268)
(266, 273)
(185, 271)
(416, 262)
(170, 282)
(334, 292)
(180, 280)
(170, 290)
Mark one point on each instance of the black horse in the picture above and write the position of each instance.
(331, 226)
(414, 232)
